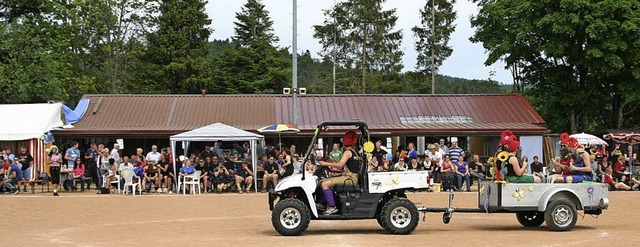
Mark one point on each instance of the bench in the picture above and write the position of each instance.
(32, 184)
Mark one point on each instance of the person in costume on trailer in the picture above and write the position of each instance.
(516, 170)
(580, 166)
(562, 166)
(501, 154)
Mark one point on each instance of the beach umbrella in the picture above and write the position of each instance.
(279, 128)
(588, 139)
(631, 138)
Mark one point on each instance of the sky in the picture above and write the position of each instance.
(467, 60)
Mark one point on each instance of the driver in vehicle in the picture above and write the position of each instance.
(350, 161)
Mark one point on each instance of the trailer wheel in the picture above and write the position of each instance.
(290, 217)
(399, 216)
(530, 219)
(561, 215)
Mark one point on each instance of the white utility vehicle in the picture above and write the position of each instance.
(381, 196)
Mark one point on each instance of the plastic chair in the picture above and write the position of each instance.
(116, 182)
(193, 180)
(127, 175)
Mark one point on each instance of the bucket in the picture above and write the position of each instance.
(436, 187)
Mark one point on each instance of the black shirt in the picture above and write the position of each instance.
(230, 165)
(536, 167)
(26, 160)
(242, 172)
(473, 166)
(269, 168)
(202, 168)
(379, 154)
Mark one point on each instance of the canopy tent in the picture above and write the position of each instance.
(218, 132)
(31, 122)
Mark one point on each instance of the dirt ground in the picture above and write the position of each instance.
(87, 219)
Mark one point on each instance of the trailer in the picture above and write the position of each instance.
(535, 203)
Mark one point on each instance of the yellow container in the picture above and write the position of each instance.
(436, 187)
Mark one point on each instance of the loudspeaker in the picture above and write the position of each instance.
(302, 90)
(286, 90)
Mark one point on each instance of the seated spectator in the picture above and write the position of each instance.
(461, 170)
(310, 167)
(537, 168)
(78, 172)
(603, 166)
(416, 164)
(620, 168)
(186, 170)
(151, 177)
(203, 168)
(297, 165)
(285, 168)
(448, 173)
(476, 169)
(614, 184)
(165, 173)
(374, 165)
(401, 165)
(270, 173)
(244, 176)
(230, 164)
(222, 178)
(14, 175)
(430, 167)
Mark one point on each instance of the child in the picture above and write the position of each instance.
(187, 169)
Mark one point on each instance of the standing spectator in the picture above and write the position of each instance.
(115, 155)
(601, 152)
(336, 153)
(14, 176)
(246, 151)
(217, 149)
(461, 170)
(270, 173)
(27, 163)
(617, 152)
(271, 151)
(443, 147)
(237, 151)
(91, 166)
(297, 165)
(455, 153)
(244, 175)
(154, 156)
(71, 155)
(536, 168)
(55, 159)
(169, 155)
(411, 153)
(206, 153)
(378, 152)
(78, 172)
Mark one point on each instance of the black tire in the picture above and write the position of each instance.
(379, 220)
(290, 217)
(530, 219)
(561, 215)
(399, 216)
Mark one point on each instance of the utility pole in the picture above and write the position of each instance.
(364, 60)
(433, 33)
(295, 63)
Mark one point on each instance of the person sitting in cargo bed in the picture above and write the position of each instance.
(515, 171)
(350, 161)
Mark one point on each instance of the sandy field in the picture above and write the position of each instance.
(87, 219)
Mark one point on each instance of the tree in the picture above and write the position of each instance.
(174, 61)
(359, 36)
(253, 64)
(567, 54)
(437, 17)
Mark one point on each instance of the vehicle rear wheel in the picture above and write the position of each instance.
(399, 216)
(379, 220)
(290, 217)
(561, 215)
(530, 219)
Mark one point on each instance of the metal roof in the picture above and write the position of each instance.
(171, 114)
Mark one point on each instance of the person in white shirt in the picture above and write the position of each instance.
(125, 164)
(154, 156)
(401, 165)
(435, 156)
(114, 154)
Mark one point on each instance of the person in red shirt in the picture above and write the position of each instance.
(619, 168)
(613, 185)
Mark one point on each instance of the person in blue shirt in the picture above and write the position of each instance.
(71, 155)
(187, 169)
(14, 176)
(461, 169)
(411, 153)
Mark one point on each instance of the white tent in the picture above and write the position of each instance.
(30, 122)
(215, 132)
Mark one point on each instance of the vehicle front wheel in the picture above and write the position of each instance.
(399, 216)
(561, 215)
(530, 219)
(290, 217)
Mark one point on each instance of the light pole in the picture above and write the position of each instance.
(294, 116)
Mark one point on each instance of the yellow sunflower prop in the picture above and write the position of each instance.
(503, 156)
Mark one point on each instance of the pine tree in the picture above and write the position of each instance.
(358, 35)
(254, 64)
(434, 43)
(175, 56)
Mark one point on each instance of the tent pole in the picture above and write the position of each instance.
(255, 164)
(173, 154)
